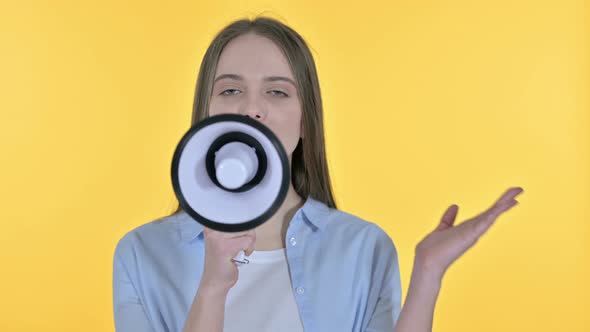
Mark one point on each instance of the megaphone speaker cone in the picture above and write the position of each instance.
(230, 173)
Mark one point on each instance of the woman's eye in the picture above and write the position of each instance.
(280, 93)
(231, 92)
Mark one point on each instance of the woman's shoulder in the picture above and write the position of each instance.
(358, 225)
(349, 226)
(361, 243)
(155, 234)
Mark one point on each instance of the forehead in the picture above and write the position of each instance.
(253, 56)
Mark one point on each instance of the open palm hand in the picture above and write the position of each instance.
(439, 249)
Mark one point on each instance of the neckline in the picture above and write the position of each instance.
(267, 256)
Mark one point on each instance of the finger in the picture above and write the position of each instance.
(499, 209)
(248, 251)
(472, 229)
(209, 232)
(253, 242)
(250, 248)
(242, 244)
(494, 214)
(506, 199)
(481, 225)
(236, 234)
(502, 204)
(448, 218)
(509, 194)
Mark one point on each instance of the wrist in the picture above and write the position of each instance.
(428, 268)
(425, 278)
(212, 291)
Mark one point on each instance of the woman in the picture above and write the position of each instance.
(312, 267)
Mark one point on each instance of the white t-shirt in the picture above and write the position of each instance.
(262, 299)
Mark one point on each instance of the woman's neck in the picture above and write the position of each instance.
(271, 234)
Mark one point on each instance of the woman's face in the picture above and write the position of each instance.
(253, 78)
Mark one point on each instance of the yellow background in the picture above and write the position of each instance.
(427, 104)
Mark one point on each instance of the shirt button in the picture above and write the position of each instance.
(300, 290)
(293, 242)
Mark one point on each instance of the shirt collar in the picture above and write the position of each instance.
(314, 211)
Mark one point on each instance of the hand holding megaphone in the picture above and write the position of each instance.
(230, 173)
(220, 273)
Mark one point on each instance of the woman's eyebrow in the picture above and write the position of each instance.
(266, 78)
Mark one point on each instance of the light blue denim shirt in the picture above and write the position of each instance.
(344, 272)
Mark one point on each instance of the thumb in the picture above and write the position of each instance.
(448, 218)
(250, 248)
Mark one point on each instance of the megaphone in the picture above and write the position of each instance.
(230, 173)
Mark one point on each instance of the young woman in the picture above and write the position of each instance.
(312, 267)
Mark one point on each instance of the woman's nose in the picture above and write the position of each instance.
(254, 110)
(255, 115)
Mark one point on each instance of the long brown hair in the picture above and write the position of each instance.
(309, 168)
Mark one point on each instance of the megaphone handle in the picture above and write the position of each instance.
(240, 258)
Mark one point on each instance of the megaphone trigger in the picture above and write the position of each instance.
(240, 258)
